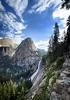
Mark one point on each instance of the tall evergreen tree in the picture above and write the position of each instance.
(54, 44)
(66, 3)
(68, 31)
(67, 37)
(56, 35)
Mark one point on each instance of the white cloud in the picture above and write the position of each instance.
(1, 7)
(13, 28)
(18, 38)
(62, 14)
(42, 5)
(10, 20)
(18, 5)
(42, 44)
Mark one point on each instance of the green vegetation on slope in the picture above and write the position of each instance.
(10, 90)
(53, 63)
(52, 73)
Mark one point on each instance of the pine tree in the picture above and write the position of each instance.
(68, 31)
(54, 44)
(56, 35)
(67, 38)
(66, 3)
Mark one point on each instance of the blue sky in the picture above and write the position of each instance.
(20, 19)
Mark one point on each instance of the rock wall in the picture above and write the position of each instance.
(26, 55)
(7, 46)
(61, 89)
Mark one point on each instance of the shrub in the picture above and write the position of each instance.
(10, 90)
(59, 63)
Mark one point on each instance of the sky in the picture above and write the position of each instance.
(20, 19)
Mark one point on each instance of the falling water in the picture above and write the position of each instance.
(36, 72)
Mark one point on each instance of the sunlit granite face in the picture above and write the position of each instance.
(7, 46)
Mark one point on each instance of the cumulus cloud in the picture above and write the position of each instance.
(42, 44)
(62, 14)
(10, 20)
(42, 5)
(58, 13)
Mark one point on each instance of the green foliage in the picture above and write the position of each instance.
(53, 62)
(58, 52)
(8, 71)
(28, 84)
(10, 90)
(66, 3)
(56, 48)
(51, 76)
(41, 52)
(56, 35)
(59, 63)
(67, 39)
(44, 60)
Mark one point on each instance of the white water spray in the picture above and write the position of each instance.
(36, 72)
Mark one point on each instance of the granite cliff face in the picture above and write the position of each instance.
(7, 46)
(22, 64)
(61, 89)
(26, 55)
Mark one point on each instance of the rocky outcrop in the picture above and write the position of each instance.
(7, 46)
(61, 89)
(26, 55)
(23, 63)
(37, 79)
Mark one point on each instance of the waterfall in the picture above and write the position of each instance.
(36, 72)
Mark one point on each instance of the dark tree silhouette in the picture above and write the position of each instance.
(67, 37)
(66, 3)
(53, 52)
(56, 35)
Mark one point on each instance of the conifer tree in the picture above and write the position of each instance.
(56, 35)
(67, 37)
(66, 3)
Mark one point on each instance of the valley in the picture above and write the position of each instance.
(34, 49)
